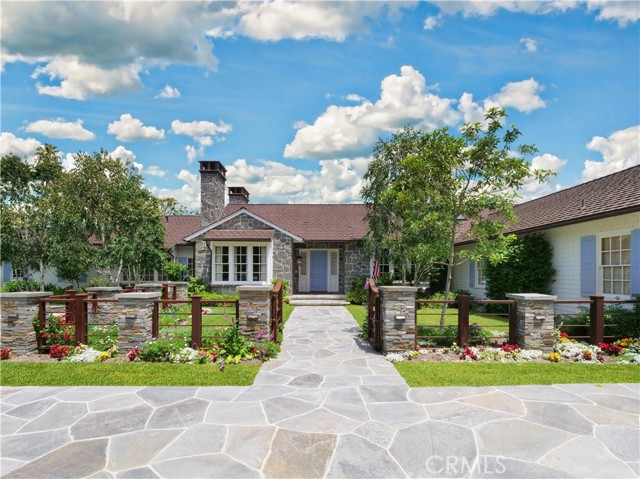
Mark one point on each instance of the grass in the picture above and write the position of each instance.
(358, 312)
(125, 374)
(431, 316)
(421, 374)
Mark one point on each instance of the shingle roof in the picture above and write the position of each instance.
(332, 222)
(611, 195)
(177, 227)
(239, 235)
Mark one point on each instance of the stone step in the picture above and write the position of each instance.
(317, 302)
(331, 297)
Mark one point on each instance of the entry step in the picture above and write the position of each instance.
(317, 300)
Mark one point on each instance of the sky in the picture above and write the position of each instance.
(292, 96)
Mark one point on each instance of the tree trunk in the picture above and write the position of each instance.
(42, 276)
(450, 265)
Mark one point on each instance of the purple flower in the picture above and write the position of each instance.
(366, 284)
(264, 352)
(261, 335)
(222, 366)
(273, 336)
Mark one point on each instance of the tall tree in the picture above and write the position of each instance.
(419, 186)
(120, 215)
(28, 204)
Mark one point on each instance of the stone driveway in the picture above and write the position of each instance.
(327, 407)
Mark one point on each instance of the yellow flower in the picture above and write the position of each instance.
(554, 357)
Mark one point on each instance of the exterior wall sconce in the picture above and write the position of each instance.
(299, 260)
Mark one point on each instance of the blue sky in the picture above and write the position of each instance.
(292, 96)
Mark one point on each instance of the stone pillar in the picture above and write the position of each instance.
(398, 305)
(16, 320)
(535, 320)
(135, 318)
(182, 289)
(255, 309)
(103, 312)
(150, 287)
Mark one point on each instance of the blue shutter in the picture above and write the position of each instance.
(587, 266)
(635, 261)
(6, 271)
(472, 274)
(183, 260)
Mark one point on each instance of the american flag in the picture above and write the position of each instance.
(376, 269)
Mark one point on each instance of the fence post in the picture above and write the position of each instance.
(196, 321)
(17, 311)
(596, 319)
(254, 309)
(135, 318)
(397, 312)
(463, 320)
(513, 322)
(80, 318)
(535, 320)
(155, 320)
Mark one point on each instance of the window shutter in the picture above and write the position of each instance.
(6, 271)
(587, 266)
(635, 261)
(472, 274)
(183, 260)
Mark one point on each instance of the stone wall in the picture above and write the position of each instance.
(255, 310)
(356, 263)
(212, 184)
(398, 318)
(16, 320)
(103, 312)
(535, 321)
(203, 260)
(135, 317)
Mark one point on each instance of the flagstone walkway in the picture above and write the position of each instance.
(327, 407)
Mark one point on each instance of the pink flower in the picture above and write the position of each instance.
(222, 366)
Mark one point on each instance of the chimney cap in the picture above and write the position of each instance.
(207, 166)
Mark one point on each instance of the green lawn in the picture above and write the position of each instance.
(428, 316)
(125, 374)
(434, 374)
(358, 312)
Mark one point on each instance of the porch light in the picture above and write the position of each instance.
(299, 260)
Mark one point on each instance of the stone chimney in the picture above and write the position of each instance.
(213, 177)
(238, 195)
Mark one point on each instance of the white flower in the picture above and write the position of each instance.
(394, 357)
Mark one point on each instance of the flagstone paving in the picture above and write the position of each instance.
(327, 407)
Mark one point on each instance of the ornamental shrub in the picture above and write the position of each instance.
(196, 285)
(357, 293)
(527, 269)
(175, 271)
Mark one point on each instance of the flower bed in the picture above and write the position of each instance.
(624, 351)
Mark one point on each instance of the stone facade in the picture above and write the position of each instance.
(535, 320)
(255, 309)
(398, 318)
(182, 289)
(103, 312)
(16, 320)
(135, 317)
(356, 263)
(212, 184)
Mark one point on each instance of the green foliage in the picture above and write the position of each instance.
(526, 269)
(477, 336)
(233, 342)
(196, 285)
(175, 271)
(357, 293)
(215, 296)
(626, 320)
(439, 296)
(158, 350)
(419, 185)
(98, 281)
(21, 285)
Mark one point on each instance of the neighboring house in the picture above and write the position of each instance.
(594, 229)
(316, 247)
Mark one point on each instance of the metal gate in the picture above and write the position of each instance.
(374, 317)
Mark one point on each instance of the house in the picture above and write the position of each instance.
(594, 229)
(317, 247)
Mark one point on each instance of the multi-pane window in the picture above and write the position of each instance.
(191, 266)
(17, 273)
(240, 263)
(481, 279)
(148, 275)
(616, 265)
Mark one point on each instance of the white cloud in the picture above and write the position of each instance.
(69, 161)
(352, 130)
(168, 92)
(128, 128)
(623, 12)
(355, 97)
(155, 171)
(126, 156)
(534, 189)
(22, 147)
(432, 22)
(522, 95)
(471, 111)
(621, 150)
(72, 130)
(530, 45)
(203, 132)
(188, 194)
(337, 181)
(79, 80)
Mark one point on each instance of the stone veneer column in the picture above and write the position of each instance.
(134, 319)
(16, 320)
(106, 312)
(182, 289)
(398, 318)
(535, 321)
(255, 309)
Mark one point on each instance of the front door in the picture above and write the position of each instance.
(318, 269)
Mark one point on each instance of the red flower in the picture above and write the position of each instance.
(564, 335)
(610, 348)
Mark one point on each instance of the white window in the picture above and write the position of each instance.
(17, 273)
(240, 263)
(481, 279)
(615, 261)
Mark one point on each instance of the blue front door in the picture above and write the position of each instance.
(318, 270)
